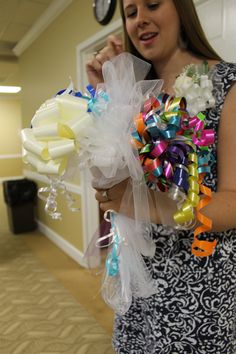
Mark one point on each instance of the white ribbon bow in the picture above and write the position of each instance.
(56, 129)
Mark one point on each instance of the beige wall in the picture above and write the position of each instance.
(10, 123)
(10, 143)
(10, 167)
(70, 227)
(45, 68)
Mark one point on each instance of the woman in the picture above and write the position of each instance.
(194, 309)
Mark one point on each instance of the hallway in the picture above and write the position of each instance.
(49, 304)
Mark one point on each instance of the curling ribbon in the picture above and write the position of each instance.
(112, 260)
(156, 127)
(56, 185)
(186, 212)
(173, 151)
(202, 248)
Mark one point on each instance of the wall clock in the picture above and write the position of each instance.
(104, 10)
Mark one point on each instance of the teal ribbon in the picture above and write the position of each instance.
(97, 104)
(204, 158)
(112, 261)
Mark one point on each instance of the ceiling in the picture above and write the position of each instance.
(17, 17)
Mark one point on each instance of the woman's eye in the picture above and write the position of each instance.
(153, 6)
(131, 13)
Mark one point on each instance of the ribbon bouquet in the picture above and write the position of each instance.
(173, 147)
(97, 130)
(53, 141)
(157, 149)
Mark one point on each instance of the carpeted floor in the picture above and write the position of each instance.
(37, 314)
(40, 313)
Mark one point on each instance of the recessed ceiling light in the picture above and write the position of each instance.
(10, 89)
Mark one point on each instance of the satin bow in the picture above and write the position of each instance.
(56, 129)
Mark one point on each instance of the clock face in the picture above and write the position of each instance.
(104, 10)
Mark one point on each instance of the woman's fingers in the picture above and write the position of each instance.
(102, 195)
(94, 70)
(113, 48)
(111, 198)
(116, 44)
(94, 66)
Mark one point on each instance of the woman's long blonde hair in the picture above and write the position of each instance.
(191, 31)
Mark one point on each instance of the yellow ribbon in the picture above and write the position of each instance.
(186, 212)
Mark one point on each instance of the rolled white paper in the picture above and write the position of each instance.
(79, 125)
(33, 145)
(61, 148)
(46, 114)
(46, 131)
(71, 106)
(52, 167)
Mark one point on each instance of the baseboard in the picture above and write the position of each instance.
(64, 245)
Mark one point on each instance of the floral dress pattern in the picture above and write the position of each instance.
(194, 311)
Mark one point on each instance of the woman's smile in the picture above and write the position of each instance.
(148, 38)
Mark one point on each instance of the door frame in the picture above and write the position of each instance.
(90, 208)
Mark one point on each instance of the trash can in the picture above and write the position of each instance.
(20, 197)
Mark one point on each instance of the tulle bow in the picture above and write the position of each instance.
(112, 158)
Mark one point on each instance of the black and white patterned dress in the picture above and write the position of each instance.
(194, 311)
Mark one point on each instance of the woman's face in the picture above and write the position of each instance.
(153, 26)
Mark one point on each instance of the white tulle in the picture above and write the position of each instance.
(108, 152)
(133, 278)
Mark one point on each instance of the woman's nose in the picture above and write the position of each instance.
(142, 17)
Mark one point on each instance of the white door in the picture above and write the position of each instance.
(218, 18)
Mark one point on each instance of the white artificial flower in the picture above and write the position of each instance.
(196, 87)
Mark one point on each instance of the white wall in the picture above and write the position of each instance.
(218, 20)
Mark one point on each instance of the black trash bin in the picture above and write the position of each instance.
(20, 197)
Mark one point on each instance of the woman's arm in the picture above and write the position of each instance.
(222, 208)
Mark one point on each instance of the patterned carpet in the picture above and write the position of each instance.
(37, 314)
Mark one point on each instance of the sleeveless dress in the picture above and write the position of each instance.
(194, 310)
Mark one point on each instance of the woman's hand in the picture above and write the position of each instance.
(111, 199)
(120, 199)
(94, 67)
